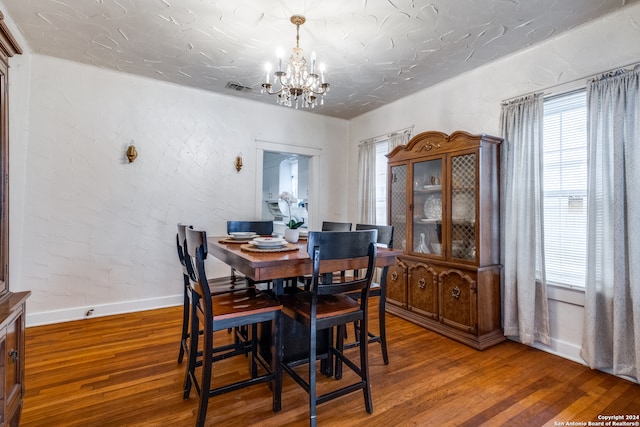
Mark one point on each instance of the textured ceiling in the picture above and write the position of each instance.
(375, 51)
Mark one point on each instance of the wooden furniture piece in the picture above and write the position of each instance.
(217, 285)
(12, 312)
(443, 204)
(326, 306)
(377, 289)
(277, 266)
(235, 309)
(12, 305)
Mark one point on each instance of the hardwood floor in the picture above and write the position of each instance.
(123, 371)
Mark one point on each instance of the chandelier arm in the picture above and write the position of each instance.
(270, 92)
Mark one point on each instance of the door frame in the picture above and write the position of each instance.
(314, 174)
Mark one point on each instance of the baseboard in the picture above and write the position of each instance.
(563, 349)
(99, 310)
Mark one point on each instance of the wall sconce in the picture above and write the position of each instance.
(238, 162)
(132, 153)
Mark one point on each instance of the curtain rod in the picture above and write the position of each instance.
(546, 91)
(387, 135)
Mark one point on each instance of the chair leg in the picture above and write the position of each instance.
(205, 383)
(340, 337)
(185, 319)
(193, 353)
(312, 374)
(276, 358)
(364, 365)
(383, 331)
(253, 366)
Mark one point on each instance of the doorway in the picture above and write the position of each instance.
(288, 168)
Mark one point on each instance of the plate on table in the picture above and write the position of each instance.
(242, 235)
(268, 242)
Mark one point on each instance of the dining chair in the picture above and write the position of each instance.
(261, 228)
(214, 312)
(326, 306)
(327, 226)
(376, 289)
(218, 285)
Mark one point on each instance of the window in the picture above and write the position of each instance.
(565, 188)
(381, 182)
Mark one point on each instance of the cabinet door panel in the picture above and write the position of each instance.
(12, 372)
(423, 290)
(397, 284)
(463, 206)
(458, 300)
(398, 204)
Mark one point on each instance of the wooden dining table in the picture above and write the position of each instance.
(278, 266)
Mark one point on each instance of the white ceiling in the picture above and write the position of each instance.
(375, 51)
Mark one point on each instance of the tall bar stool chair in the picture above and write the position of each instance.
(261, 228)
(377, 289)
(215, 312)
(217, 285)
(327, 226)
(326, 306)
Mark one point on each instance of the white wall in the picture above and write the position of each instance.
(471, 102)
(90, 230)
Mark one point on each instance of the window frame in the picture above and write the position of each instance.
(559, 290)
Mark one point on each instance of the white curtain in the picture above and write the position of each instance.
(367, 182)
(526, 313)
(611, 338)
(367, 173)
(400, 138)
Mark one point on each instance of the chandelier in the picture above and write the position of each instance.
(298, 85)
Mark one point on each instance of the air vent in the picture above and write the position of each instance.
(239, 88)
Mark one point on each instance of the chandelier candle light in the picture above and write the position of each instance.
(297, 85)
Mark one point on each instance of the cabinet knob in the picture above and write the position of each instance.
(455, 292)
(394, 276)
(13, 354)
(422, 283)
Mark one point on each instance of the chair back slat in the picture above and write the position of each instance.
(336, 226)
(336, 245)
(196, 253)
(263, 228)
(385, 233)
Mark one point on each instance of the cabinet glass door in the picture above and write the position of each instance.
(463, 207)
(398, 205)
(427, 207)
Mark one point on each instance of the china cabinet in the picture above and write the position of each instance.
(443, 203)
(12, 304)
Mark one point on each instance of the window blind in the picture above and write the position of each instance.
(565, 188)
